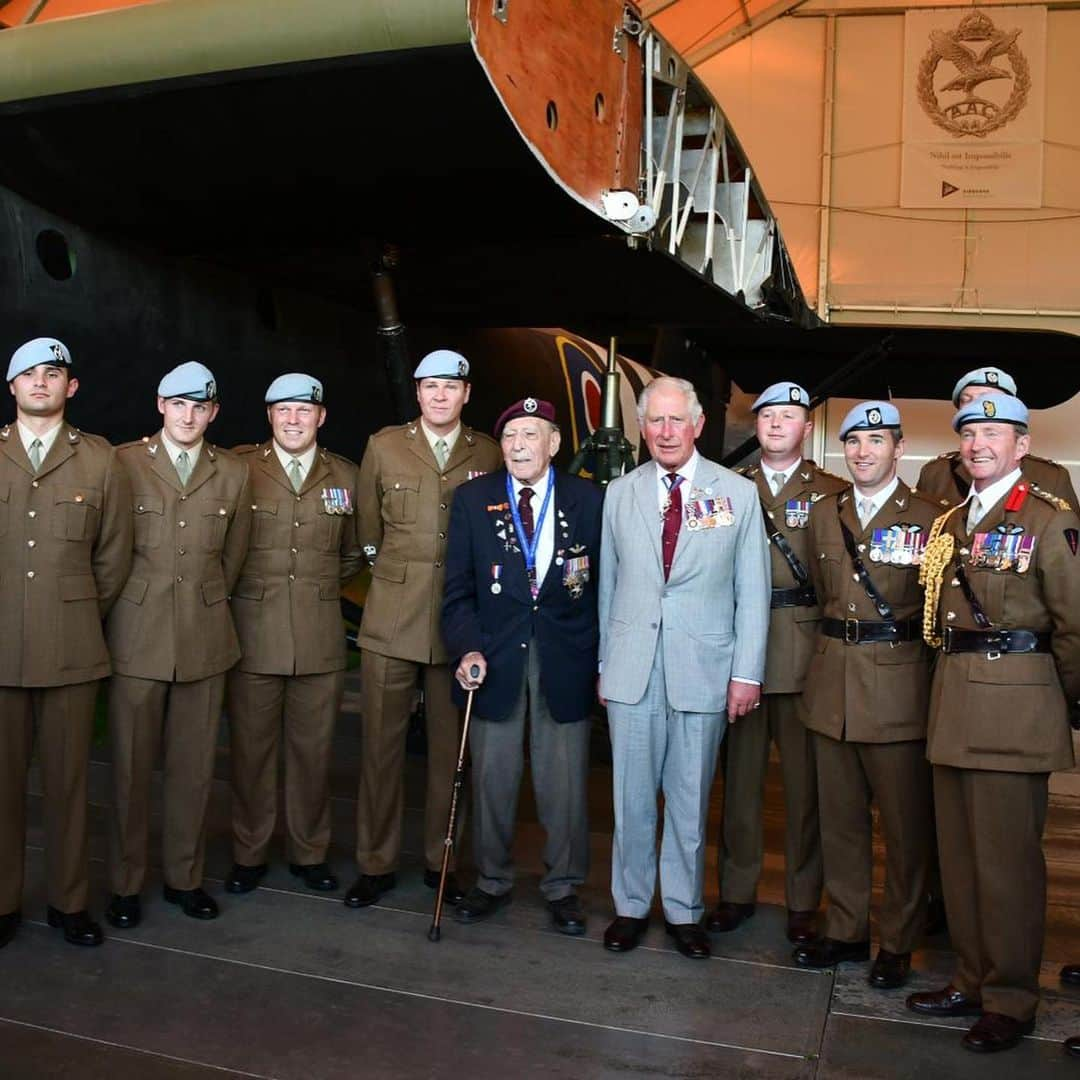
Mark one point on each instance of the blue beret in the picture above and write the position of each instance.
(986, 376)
(992, 409)
(192, 380)
(870, 416)
(296, 386)
(442, 364)
(42, 350)
(782, 393)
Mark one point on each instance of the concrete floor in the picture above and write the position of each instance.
(289, 983)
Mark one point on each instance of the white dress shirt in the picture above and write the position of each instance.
(686, 471)
(47, 439)
(545, 547)
(306, 459)
(877, 500)
(784, 475)
(990, 496)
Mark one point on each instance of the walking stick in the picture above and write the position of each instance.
(435, 933)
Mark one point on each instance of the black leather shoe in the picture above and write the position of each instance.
(8, 925)
(568, 915)
(625, 933)
(995, 1031)
(890, 970)
(1070, 974)
(453, 894)
(947, 1002)
(728, 916)
(78, 927)
(124, 912)
(801, 927)
(690, 939)
(1071, 1046)
(936, 920)
(193, 902)
(367, 888)
(828, 951)
(243, 879)
(479, 905)
(318, 876)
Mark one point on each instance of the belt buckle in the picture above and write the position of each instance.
(995, 654)
(851, 631)
(946, 639)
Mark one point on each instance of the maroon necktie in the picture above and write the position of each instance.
(672, 520)
(525, 512)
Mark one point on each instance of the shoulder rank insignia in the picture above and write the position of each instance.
(1055, 501)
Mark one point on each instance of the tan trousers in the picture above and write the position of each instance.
(260, 709)
(64, 720)
(990, 827)
(145, 715)
(897, 777)
(742, 839)
(387, 691)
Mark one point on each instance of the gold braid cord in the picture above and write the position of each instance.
(940, 547)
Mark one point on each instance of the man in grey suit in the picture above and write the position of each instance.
(684, 613)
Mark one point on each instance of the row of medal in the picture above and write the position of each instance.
(709, 513)
(898, 545)
(575, 572)
(1007, 548)
(337, 501)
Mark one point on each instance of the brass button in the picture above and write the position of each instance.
(851, 607)
(397, 486)
(34, 483)
(180, 551)
(524, 645)
(29, 573)
(292, 577)
(297, 524)
(442, 506)
(182, 524)
(183, 498)
(437, 564)
(442, 536)
(78, 498)
(31, 543)
(854, 577)
(950, 615)
(295, 551)
(178, 580)
(222, 511)
(31, 513)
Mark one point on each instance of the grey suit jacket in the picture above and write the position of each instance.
(713, 611)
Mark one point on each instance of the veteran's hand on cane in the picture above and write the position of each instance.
(742, 698)
(464, 675)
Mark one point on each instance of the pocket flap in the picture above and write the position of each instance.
(249, 588)
(389, 569)
(401, 483)
(4, 490)
(78, 587)
(264, 506)
(1015, 669)
(214, 591)
(215, 508)
(329, 590)
(82, 496)
(149, 504)
(134, 591)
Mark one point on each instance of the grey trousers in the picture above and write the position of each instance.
(657, 748)
(559, 759)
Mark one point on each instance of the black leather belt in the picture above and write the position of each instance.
(956, 640)
(802, 596)
(865, 632)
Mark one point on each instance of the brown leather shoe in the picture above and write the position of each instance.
(890, 970)
(801, 927)
(947, 1002)
(690, 939)
(995, 1031)
(828, 951)
(728, 916)
(625, 933)
(1070, 974)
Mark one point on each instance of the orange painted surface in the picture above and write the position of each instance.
(15, 11)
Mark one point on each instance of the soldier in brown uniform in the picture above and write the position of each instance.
(291, 677)
(866, 696)
(65, 539)
(788, 485)
(946, 478)
(407, 478)
(1003, 604)
(172, 639)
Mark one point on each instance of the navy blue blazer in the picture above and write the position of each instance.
(562, 621)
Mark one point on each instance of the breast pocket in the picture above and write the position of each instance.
(831, 567)
(215, 520)
(328, 528)
(76, 513)
(401, 499)
(264, 517)
(149, 521)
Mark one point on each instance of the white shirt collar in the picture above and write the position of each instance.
(306, 459)
(47, 439)
(539, 488)
(770, 472)
(432, 438)
(879, 499)
(174, 451)
(989, 497)
(686, 471)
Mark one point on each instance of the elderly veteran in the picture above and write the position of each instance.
(65, 542)
(1003, 606)
(290, 679)
(788, 486)
(172, 639)
(407, 479)
(865, 699)
(946, 478)
(520, 605)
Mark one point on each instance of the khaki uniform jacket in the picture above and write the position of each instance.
(172, 621)
(945, 480)
(874, 692)
(287, 603)
(404, 516)
(65, 550)
(791, 629)
(1011, 713)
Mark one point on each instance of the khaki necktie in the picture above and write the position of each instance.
(35, 454)
(183, 467)
(294, 474)
(440, 454)
(776, 482)
(866, 511)
(975, 513)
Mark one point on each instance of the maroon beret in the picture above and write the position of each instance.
(529, 406)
